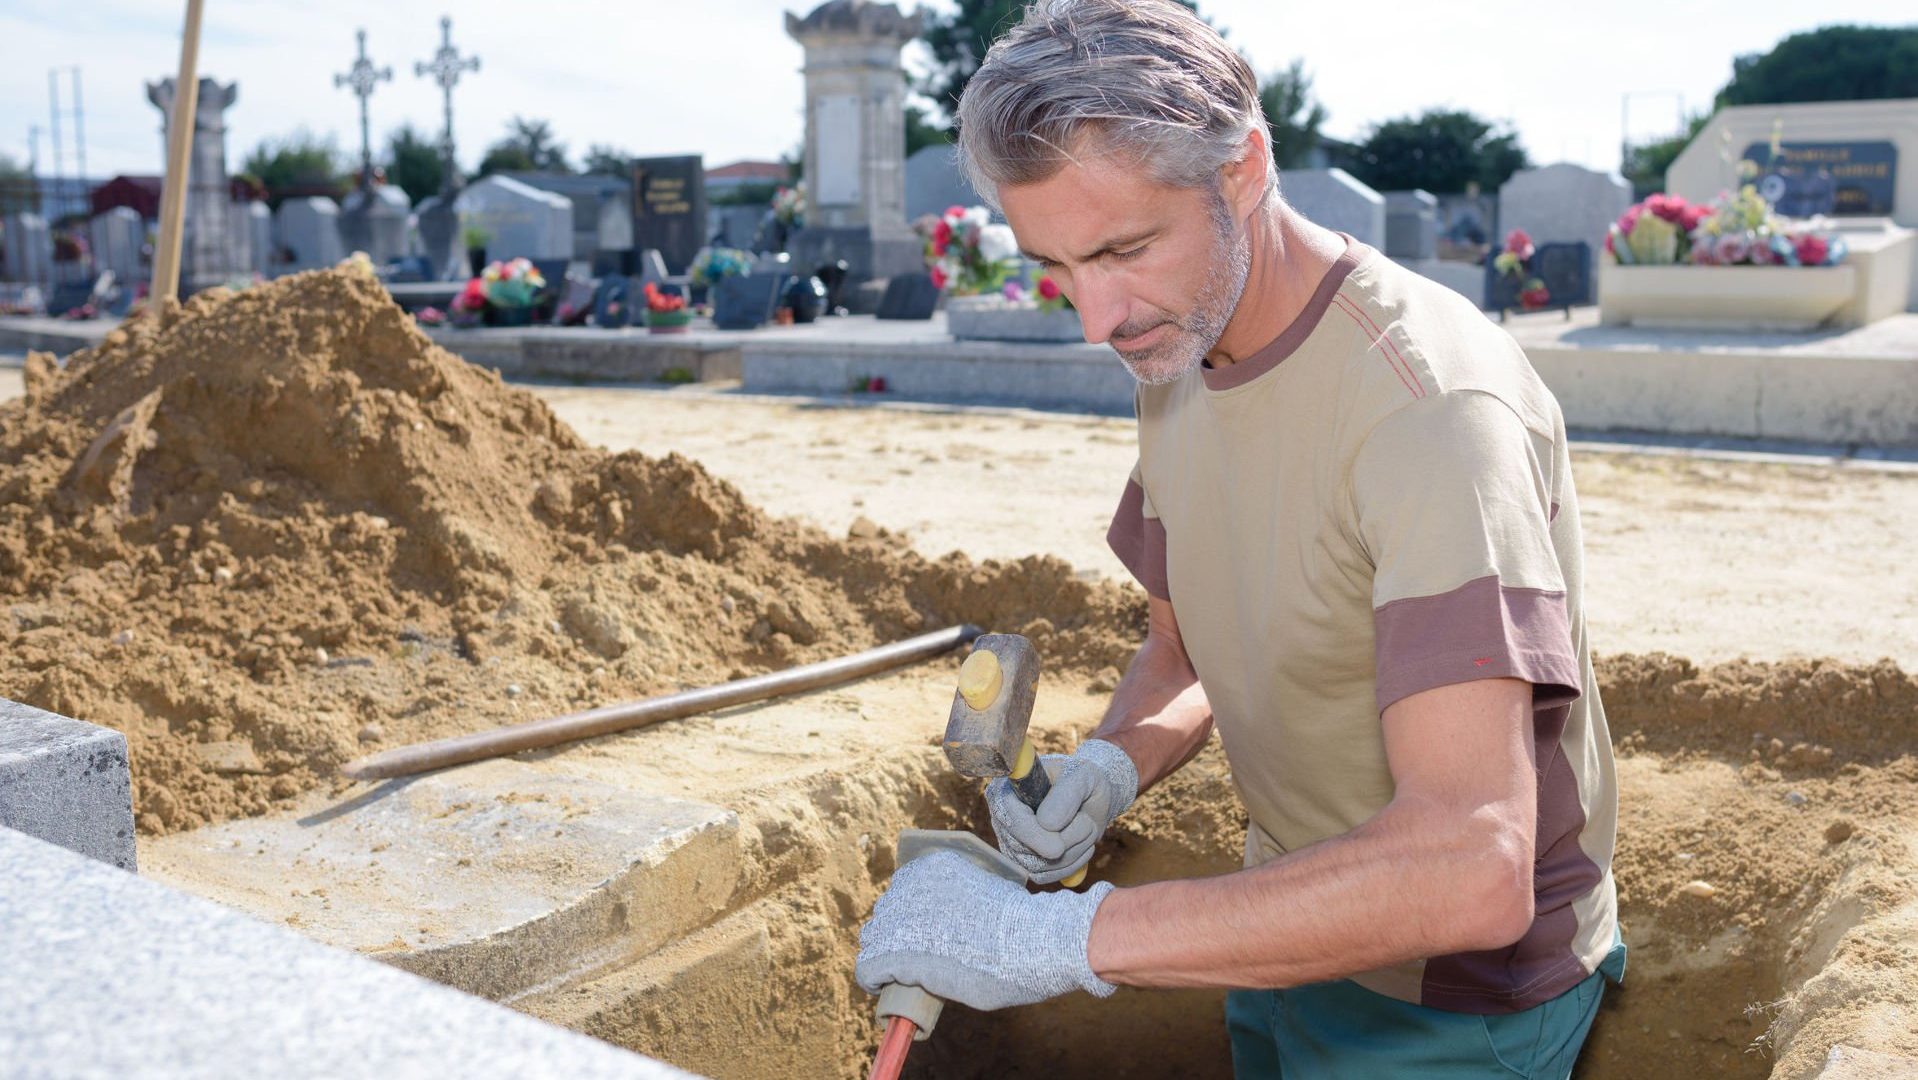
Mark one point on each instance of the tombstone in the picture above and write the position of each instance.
(522, 221)
(602, 214)
(1564, 268)
(669, 208)
(29, 248)
(855, 151)
(439, 236)
(257, 222)
(1411, 225)
(575, 302)
(909, 296)
(1562, 202)
(735, 226)
(615, 235)
(934, 182)
(746, 301)
(612, 301)
(209, 253)
(309, 233)
(118, 236)
(1336, 200)
(652, 268)
(1860, 158)
(373, 220)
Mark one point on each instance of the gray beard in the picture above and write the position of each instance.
(1198, 332)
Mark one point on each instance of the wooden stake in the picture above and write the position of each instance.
(186, 100)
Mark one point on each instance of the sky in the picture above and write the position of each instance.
(721, 78)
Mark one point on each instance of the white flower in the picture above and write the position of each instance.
(977, 217)
(997, 243)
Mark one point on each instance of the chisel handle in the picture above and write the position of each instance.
(1032, 785)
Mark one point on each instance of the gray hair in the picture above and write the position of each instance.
(1145, 80)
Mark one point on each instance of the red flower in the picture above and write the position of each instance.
(1519, 243)
(938, 278)
(876, 384)
(941, 235)
(1669, 207)
(1048, 289)
(1812, 249)
(1692, 216)
(661, 301)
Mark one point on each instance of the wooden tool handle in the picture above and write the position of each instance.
(1032, 785)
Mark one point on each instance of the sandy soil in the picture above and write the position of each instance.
(1704, 558)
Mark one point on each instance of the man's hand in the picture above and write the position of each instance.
(1089, 788)
(967, 935)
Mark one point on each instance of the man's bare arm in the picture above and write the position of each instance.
(1446, 867)
(1159, 715)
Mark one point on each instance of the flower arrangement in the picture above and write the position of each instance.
(1515, 261)
(513, 284)
(966, 254)
(714, 265)
(665, 312)
(1735, 229)
(789, 206)
(430, 316)
(469, 307)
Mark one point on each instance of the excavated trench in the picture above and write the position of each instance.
(1783, 789)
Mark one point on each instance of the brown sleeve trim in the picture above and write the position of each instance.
(1480, 630)
(1139, 541)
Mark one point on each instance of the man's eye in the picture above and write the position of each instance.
(1133, 254)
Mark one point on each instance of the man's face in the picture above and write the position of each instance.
(1157, 271)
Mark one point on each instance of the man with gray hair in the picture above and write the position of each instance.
(1354, 520)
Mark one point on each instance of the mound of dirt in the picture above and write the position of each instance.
(269, 530)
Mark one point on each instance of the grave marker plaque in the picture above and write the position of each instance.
(1856, 179)
(669, 208)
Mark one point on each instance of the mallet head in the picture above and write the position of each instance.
(993, 706)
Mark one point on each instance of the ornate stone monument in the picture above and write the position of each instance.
(855, 138)
(207, 256)
(439, 224)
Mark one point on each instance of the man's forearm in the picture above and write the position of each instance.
(1405, 885)
(1159, 714)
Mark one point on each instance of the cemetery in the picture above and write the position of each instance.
(393, 477)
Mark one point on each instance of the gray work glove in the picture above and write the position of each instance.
(1089, 788)
(968, 935)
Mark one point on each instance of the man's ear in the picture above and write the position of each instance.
(1243, 181)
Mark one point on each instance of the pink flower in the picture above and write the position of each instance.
(1048, 289)
(954, 213)
(1520, 244)
(1812, 249)
(1630, 218)
(1732, 249)
(1693, 216)
(938, 278)
(1014, 291)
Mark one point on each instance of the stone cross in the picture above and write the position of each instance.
(445, 67)
(363, 78)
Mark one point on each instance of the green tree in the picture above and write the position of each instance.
(922, 131)
(300, 163)
(606, 159)
(959, 40)
(1832, 63)
(1292, 114)
(528, 147)
(1442, 151)
(1645, 163)
(413, 162)
(18, 193)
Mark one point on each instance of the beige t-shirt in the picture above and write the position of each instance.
(1378, 503)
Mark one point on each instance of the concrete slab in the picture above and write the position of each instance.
(67, 783)
(494, 878)
(110, 975)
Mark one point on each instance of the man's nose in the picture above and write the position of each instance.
(1101, 304)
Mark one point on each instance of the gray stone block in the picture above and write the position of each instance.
(110, 975)
(67, 783)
